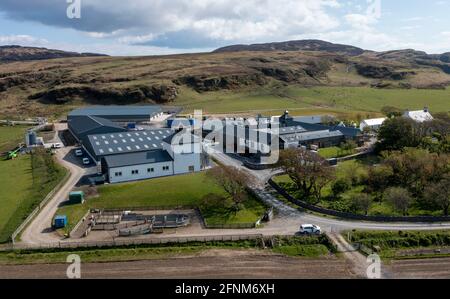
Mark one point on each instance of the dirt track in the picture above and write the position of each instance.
(210, 264)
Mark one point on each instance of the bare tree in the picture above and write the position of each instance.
(400, 198)
(362, 202)
(310, 172)
(233, 181)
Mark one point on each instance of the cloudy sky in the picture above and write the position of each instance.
(148, 27)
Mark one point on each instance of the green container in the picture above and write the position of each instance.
(76, 197)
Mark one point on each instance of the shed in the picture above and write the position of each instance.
(76, 197)
(60, 221)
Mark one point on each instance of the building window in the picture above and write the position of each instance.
(165, 168)
(150, 170)
(191, 168)
(117, 174)
(134, 172)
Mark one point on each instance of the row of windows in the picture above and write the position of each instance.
(136, 172)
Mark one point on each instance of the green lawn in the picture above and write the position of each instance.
(11, 136)
(175, 191)
(335, 152)
(24, 182)
(345, 101)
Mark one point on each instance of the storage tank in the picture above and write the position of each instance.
(31, 138)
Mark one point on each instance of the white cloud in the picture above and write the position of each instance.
(22, 40)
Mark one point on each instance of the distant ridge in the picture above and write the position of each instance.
(298, 45)
(13, 53)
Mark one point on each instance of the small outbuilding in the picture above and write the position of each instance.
(76, 197)
(60, 221)
(372, 124)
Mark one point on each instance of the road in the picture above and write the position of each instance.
(39, 230)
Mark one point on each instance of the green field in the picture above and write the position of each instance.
(10, 137)
(345, 101)
(334, 152)
(25, 182)
(175, 191)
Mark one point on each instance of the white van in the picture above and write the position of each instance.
(310, 229)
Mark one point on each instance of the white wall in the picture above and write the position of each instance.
(185, 156)
(127, 175)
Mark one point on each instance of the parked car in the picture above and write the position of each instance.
(57, 145)
(79, 152)
(310, 229)
(86, 161)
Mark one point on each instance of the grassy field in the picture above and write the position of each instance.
(334, 152)
(175, 191)
(348, 102)
(310, 247)
(394, 244)
(10, 137)
(25, 182)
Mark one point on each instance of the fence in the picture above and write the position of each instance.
(39, 207)
(351, 216)
(135, 242)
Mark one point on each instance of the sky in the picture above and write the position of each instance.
(155, 27)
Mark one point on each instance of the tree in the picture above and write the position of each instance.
(233, 181)
(309, 172)
(398, 133)
(439, 194)
(339, 187)
(390, 111)
(361, 202)
(379, 179)
(400, 198)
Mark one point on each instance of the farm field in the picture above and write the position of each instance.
(11, 136)
(25, 182)
(342, 101)
(171, 192)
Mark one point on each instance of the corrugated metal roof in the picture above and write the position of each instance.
(81, 125)
(128, 142)
(150, 157)
(315, 119)
(311, 136)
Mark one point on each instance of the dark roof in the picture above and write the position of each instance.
(117, 111)
(182, 137)
(83, 125)
(156, 156)
(128, 142)
(352, 132)
(315, 119)
(307, 136)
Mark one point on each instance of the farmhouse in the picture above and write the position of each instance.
(419, 116)
(123, 155)
(372, 124)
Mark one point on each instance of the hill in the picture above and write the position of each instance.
(18, 53)
(233, 80)
(298, 45)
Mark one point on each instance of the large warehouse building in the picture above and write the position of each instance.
(124, 155)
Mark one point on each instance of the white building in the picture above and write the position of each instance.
(419, 116)
(373, 124)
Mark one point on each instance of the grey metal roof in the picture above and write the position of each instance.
(156, 156)
(183, 137)
(128, 142)
(117, 111)
(84, 124)
(315, 119)
(310, 136)
(292, 130)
